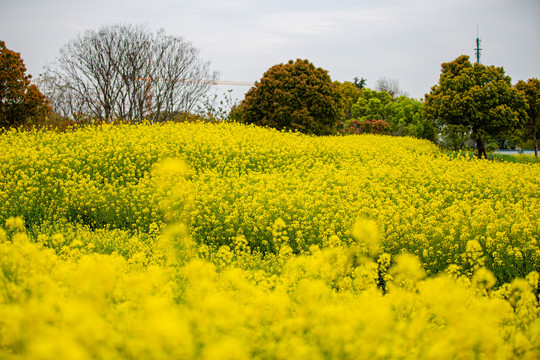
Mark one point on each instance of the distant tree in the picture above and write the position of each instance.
(391, 86)
(294, 96)
(479, 98)
(20, 101)
(372, 105)
(406, 118)
(127, 72)
(403, 115)
(360, 83)
(531, 90)
(349, 96)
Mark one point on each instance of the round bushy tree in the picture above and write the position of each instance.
(531, 91)
(20, 101)
(294, 96)
(477, 98)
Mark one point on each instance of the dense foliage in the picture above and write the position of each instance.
(350, 92)
(20, 101)
(531, 90)
(403, 115)
(294, 96)
(478, 98)
(372, 105)
(201, 241)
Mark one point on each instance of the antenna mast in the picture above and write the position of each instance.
(478, 49)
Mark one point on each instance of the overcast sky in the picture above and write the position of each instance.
(405, 40)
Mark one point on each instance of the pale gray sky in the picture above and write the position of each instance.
(405, 40)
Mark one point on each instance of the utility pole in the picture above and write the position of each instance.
(478, 49)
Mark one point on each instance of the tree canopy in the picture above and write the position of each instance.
(372, 105)
(349, 96)
(479, 98)
(20, 101)
(360, 83)
(531, 90)
(294, 96)
(407, 118)
(127, 72)
(403, 115)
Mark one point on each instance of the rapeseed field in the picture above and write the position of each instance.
(226, 241)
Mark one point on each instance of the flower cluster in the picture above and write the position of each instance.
(205, 241)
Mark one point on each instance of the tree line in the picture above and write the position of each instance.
(129, 73)
(119, 72)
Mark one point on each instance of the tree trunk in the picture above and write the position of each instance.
(535, 144)
(481, 148)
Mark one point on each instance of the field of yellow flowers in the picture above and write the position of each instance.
(225, 241)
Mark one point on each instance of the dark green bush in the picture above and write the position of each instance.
(294, 96)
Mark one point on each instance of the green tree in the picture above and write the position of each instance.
(349, 96)
(20, 102)
(531, 90)
(480, 98)
(372, 105)
(403, 114)
(294, 96)
(360, 83)
(407, 119)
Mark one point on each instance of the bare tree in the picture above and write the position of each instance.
(391, 86)
(127, 72)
